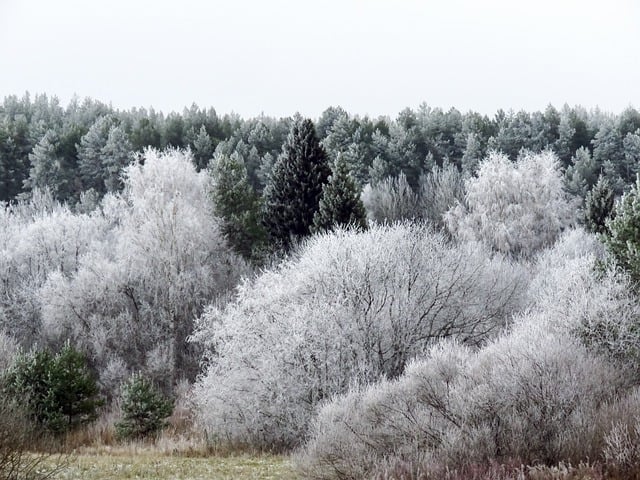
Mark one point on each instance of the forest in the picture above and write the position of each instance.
(437, 295)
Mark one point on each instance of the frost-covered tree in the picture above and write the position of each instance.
(583, 173)
(473, 153)
(440, 190)
(132, 301)
(515, 208)
(37, 238)
(293, 194)
(202, 148)
(46, 165)
(340, 205)
(90, 154)
(391, 200)
(116, 154)
(349, 307)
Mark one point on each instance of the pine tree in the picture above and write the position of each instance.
(90, 152)
(144, 409)
(115, 155)
(236, 203)
(292, 197)
(202, 148)
(340, 204)
(46, 166)
(623, 236)
(598, 206)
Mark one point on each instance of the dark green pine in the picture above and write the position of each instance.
(293, 194)
(340, 205)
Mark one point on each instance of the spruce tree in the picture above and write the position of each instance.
(340, 204)
(598, 206)
(293, 194)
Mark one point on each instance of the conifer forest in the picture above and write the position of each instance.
(439, 294)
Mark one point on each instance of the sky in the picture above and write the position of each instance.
(278, 57)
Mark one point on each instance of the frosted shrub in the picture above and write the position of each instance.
(348, 308)
(595, 304)
(390, 200)
(404, 419)
(529, 395)
(8, 351)
(440, 190)
(515, 208)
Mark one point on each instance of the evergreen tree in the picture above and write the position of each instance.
(582, 174)
(46, 166)
(90, 152)
(292, 197)
(115, 155)
(472, 153)
(60, 390)
(340, 204)
(623, 236)
(236, 203)
(598, 206)
(144, 409)
(202, 148)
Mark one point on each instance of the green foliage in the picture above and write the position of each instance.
(236, 203)
(292, 197)
(144, 409)
(60, 391)
(598, 206)
(340, 204)
(623, 238)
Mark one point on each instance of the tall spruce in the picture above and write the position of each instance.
(598, 206)
(340, 204)
(293, 194)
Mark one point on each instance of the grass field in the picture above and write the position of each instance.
(116, 466)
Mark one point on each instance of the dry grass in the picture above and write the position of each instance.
(118, 464)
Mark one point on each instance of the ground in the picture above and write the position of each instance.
(102, 466)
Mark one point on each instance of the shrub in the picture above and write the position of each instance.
(60, 391)
(530, 395)
(348, 308)
(144, 409)
(23, 452)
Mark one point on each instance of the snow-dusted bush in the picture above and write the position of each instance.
(346, 309)
(390, 200)
(8, 351)
(515, 208)
(597, 305)
(440, 190)
(530, 395)
(134, 296)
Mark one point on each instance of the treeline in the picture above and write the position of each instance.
(84, 146)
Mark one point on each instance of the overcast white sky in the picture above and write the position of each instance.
(281, 56)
